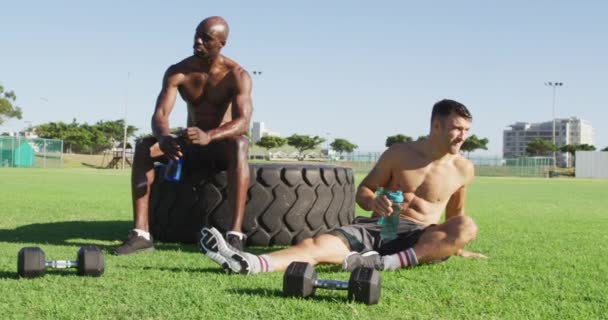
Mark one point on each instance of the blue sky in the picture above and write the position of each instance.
(360, 70)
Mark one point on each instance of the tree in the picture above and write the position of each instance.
(586, 147)
(473, 143)
(343, 145)
(605, 149)
(572, 148)
(114, 130)
(539, 147)
(420, 138)
(303, 143)
(85, 138)
(271, 142)
(390, 140)
(7, 107)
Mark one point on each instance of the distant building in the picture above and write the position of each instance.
(28, 133)
(567, 131)
(259, 130)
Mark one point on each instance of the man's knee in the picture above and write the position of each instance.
(308, 243)
(143, 146)
(240, 145)
(314, 243)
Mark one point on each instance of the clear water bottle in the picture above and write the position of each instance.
(173, 170)
(390, 224)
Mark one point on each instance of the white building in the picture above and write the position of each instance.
(567, 131)
(259, 130)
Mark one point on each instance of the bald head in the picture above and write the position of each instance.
(216, 27)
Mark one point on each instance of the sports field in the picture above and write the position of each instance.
(547, 241)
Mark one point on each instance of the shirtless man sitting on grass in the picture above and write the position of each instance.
(432, 175)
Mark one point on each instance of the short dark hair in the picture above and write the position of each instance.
(445, 107)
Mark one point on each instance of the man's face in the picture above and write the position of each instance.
(207, 42)
(453, 130)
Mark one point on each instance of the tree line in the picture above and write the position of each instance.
(84, 137)
(341, 146)
(542, 147)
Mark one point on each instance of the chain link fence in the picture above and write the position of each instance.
(363, 162)
(31, 152)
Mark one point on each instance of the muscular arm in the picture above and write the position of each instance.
(165, 103)
(455, 206)
(379, 177)
(241, 110)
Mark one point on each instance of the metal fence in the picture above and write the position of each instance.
(363, 162)
(516, 167)
(591, 164)
(31, 152)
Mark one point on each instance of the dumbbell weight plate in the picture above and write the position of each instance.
(364, 285)
(90, 261)
(30, 262)
(299, 279)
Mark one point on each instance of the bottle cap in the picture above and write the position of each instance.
(394, 196)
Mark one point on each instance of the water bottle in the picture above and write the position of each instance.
(173, 170)
(391, 223)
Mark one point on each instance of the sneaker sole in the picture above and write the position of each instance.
(347, 267)
(134, 251)
(215, 247)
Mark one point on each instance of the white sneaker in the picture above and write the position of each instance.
(370, 259)
(217, 249)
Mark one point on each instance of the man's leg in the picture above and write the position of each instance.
(325, 248)
(436, 242)
(142, 176)
(238, 181)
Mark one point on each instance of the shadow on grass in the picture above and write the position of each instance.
(12, 275)
(217, 270)
(274, 293)
(88, 165)
(80, 233)
(62, 233)
(9, 274)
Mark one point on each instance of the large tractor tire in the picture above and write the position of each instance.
(285, 203)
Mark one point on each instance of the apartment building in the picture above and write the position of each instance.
(567, 131)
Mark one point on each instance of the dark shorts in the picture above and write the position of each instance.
(212, 157)
(364, 235)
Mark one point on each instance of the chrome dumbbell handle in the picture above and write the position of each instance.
(61, 264)
(331, 284)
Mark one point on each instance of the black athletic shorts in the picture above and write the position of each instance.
(364, 235)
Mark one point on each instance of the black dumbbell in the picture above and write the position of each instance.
(31, 262)
(300, 280)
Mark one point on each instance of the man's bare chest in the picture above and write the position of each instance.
(431, 184)
(203, 89)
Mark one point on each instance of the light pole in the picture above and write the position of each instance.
(124, 137)
(554, 86)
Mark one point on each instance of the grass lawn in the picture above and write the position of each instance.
(546, 240)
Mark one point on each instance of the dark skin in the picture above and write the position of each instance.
(218, 95)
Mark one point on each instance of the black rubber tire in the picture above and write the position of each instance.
(286, 203)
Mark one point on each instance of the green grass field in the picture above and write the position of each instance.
(546, 240)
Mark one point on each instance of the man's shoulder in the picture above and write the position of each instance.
(401, 153)
(235, 69)
(182, 66)
(464, 166)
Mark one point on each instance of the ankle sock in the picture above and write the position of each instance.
(259, 264)
(239, 235)
(403, 259)
(143, 234)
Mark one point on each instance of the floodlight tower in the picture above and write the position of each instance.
(554, 86)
